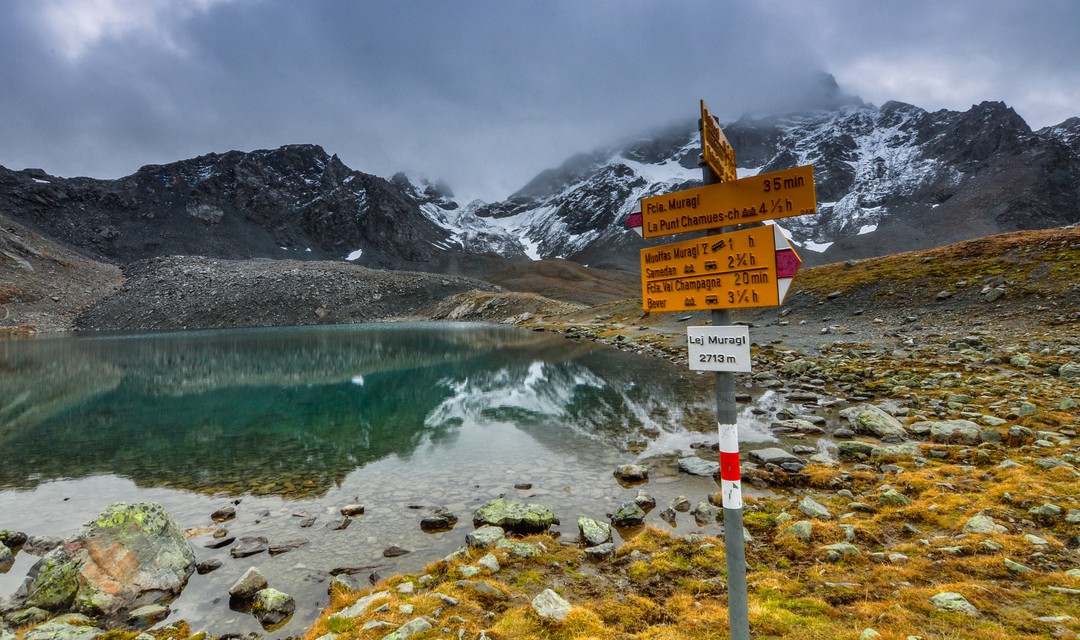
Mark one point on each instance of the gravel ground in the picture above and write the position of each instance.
(180, 292)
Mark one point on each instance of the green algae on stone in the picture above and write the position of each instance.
(57, 582)
(272, 607)
(593, 533)
(511, 515)
(127, 551)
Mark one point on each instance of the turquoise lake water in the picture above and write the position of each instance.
(294, 423)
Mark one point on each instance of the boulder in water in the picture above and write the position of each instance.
(128, 553)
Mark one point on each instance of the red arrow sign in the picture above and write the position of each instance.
(787, 263)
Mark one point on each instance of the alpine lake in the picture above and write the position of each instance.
(288, 425)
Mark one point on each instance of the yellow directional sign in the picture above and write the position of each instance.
(715, 149)
(724, 271)
(768, 196)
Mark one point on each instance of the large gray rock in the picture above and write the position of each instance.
(813, 509)
(795, 425)
(593, 533)
(249, 584)
(898, 451)
(485, 537)
(128, 553)
(843, 549)
(550, 605)
(705, 513)
(802, 530)
(870, 420)
(361, 606)
(66, 627)
(982, 523)
(854, 450)
(696, 466)
(773, 455)
(1069, 371)
(632, 473)
(409, 629)
(952, 601)
(511, 515)
(893, 498)
(956, 432)
(519, 549)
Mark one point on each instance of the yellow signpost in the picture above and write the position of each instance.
(769, 196)
(744, 268)
(715, 149)
(727, 271)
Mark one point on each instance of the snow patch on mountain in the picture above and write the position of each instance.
(473, 233)
(884, 159)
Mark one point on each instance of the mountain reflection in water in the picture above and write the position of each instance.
(292, 411)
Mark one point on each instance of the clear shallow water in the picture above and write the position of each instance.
(307, 420)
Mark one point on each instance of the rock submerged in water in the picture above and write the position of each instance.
(247, 585)
(629, 514)
(12, 539)
(128, 553)
(696, 466)
(518, 517)
(440, 519)
(249, 546)
(227, 512)
(632, 473)
(272, 607)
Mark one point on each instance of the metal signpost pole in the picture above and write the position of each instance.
(731, 490)
(734, 269)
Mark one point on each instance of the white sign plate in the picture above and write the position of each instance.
(719, 348)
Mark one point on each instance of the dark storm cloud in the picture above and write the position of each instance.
(482, 94)
(953, 54)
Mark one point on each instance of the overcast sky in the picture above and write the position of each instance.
(485, 94)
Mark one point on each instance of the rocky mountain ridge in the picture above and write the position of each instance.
(888, 179)
(293, 202)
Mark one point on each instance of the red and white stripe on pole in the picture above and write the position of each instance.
(730, 477)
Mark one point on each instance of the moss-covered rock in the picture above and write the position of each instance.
(127, 551)
(272, 607)
(7, 559)
(511, 515)
(12, 539)
(870, 420)
(593, 533)
(628, 514)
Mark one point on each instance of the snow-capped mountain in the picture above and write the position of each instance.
(888, 179)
